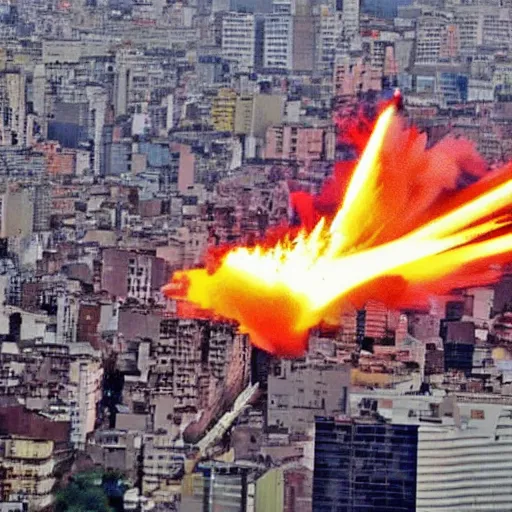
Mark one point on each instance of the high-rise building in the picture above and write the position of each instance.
(27, 474)
(450, 43)
(350, 12)
(431, 37)
(478, 436)
(86, 378)
(364, 465)
(372, 321)
(503, 294)
(292, 142)
(42, 207)
(329, 34)
(463, 461)
(278, 42)
(296, 395)
(459, 345)
(469, 21)
(254, 114)
(12, 108)
(132, 274)
(223, 110)
(16, 212)
(238, 40)
(483, 25)
(304, 43)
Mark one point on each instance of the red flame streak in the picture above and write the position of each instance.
(393, 226)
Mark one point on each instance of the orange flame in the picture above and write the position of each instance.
(402, 233)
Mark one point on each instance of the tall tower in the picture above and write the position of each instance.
(350, 14)
(278, 42)
(238, 40)
(364, 464)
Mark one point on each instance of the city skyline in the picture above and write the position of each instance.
(144, 138)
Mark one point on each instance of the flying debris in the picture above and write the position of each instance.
(393, 226)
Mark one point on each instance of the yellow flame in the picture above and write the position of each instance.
(318, 268)
(324, 275)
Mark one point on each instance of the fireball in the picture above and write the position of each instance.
(400, 231)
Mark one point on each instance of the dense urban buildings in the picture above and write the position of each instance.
(136, 139)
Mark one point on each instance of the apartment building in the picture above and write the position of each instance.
(299, 392)
(238, 40)
(223, 110)
(278, 42)
(298, 143)
(473, 430)
(27, 471)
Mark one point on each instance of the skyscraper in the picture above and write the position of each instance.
(350, 11)
(238, 40)
(364, 465)
(278, 46)
(462, 459)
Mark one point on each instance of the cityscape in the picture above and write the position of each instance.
(141, 140)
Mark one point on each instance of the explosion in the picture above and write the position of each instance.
(398, 229)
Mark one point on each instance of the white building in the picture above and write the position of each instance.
(430, 31)
(67, 319)
(464, 454)
(16, 212)
(469, 22)
(480, 90)
(12, 109)
(329, 36)
(278, 42)
(350, 15)
(238, 40)
(85, 378)
(286, 7)
(139, 278)
(496, 27)
(97, 97)
(483, 25)
(466, 463)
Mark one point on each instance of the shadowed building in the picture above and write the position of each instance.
(364, 465)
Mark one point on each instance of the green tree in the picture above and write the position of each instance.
(83, 494)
